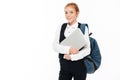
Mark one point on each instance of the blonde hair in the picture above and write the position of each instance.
(74, 5)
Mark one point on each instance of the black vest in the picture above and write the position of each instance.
(62, 37)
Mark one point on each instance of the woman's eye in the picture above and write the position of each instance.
(71, 12)
(66, 12)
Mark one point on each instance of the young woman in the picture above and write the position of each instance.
(71, 59)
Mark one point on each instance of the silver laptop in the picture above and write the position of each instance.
(76, 39)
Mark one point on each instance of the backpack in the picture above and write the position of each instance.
(93, 60)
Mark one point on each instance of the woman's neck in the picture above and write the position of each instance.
(72, 23)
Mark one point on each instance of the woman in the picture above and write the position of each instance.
(71, 59)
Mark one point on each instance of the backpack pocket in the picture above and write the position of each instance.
(90, 65)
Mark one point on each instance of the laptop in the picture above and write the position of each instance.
(76, 40)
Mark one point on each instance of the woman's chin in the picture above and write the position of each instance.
(70, 22)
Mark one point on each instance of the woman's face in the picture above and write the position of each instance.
(71, 14)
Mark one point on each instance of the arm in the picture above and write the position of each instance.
(85, 51)
(56, 46)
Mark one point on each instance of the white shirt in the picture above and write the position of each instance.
(65, 49)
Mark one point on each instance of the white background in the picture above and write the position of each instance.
(27, 29)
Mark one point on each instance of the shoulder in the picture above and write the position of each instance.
(60, 26)
(64, 25)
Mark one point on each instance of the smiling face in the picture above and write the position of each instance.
(71, 14)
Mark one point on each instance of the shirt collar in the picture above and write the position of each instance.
(75, 25)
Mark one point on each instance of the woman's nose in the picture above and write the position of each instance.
(68, 15)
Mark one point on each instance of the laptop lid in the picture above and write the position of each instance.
(76, 39)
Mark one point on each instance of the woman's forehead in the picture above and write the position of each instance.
(70, 8)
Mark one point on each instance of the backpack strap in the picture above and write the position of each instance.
(82, 27)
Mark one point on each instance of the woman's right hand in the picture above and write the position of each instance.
(73, 50)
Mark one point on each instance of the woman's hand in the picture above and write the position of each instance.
(73, 50)
(67, 57)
